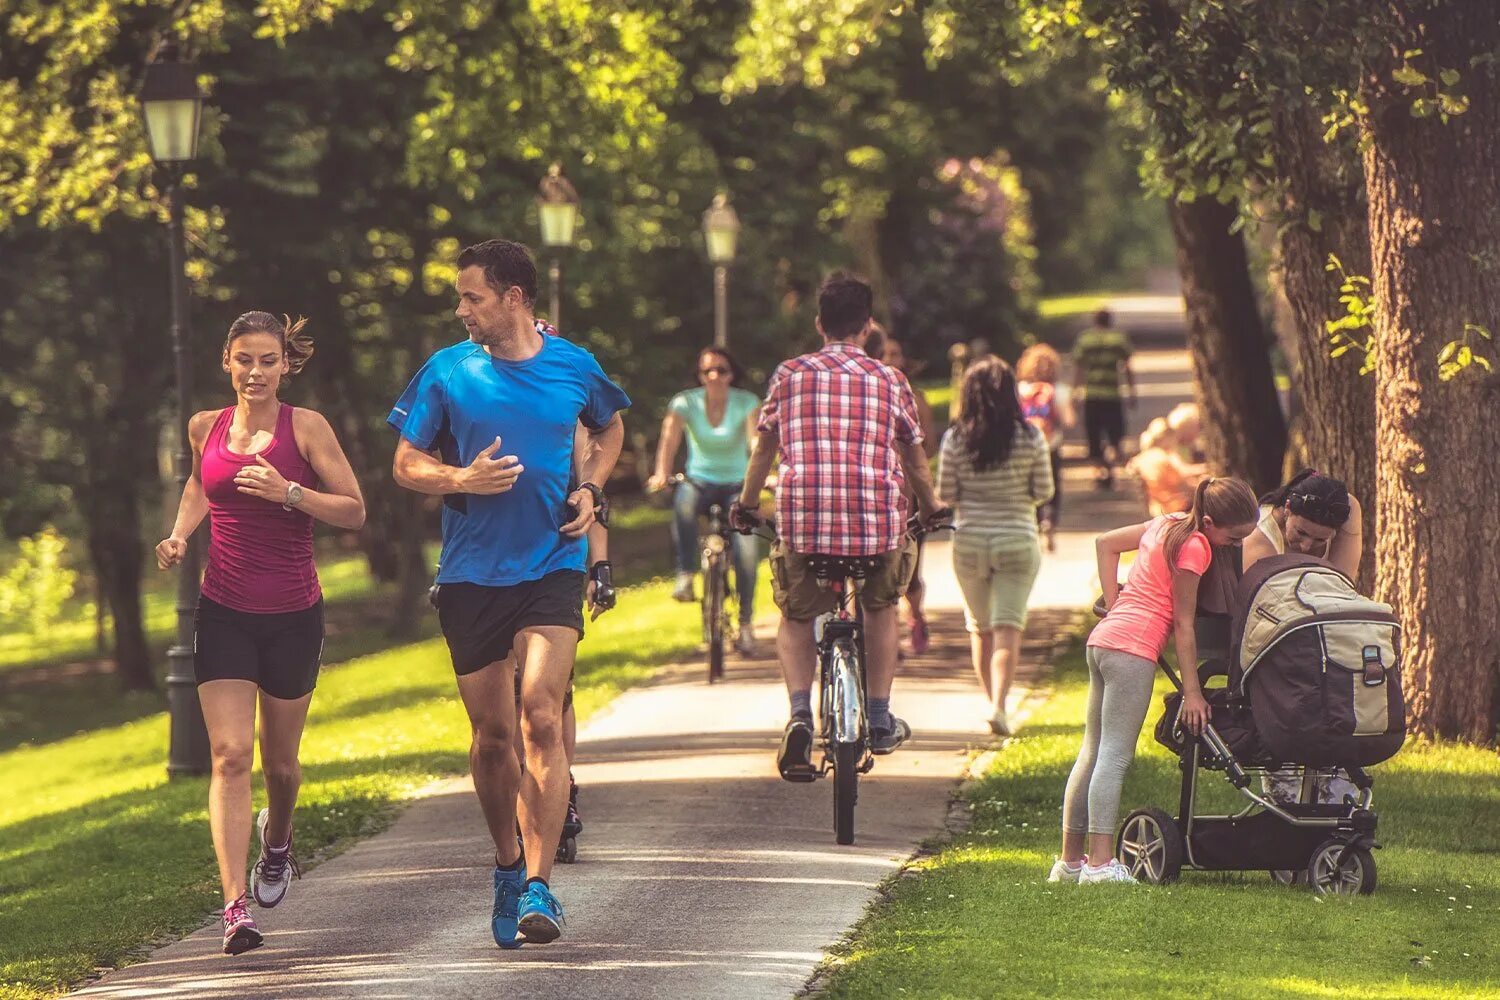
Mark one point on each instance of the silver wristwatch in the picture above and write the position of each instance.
(293, 496)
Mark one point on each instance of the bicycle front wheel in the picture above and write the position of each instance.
(845, 790)
(714, 589)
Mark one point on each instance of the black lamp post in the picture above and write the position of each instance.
(172, 106)
(557, 205)
(721, 230)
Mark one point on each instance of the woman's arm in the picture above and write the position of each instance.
(1042, 487)
(1347, 546)
(192, 508)
(948, 472)
(1108, 548)
(339, 502)
(1194, 713)
(666, 450)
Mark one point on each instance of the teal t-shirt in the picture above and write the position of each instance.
(716, 454)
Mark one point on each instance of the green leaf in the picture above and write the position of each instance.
(1465, 356)
(1483, 362)
(1446, 354)
(1410, 76)
(1423, 107)
(1454, 104)
(1340, 351)
(1449, 77)
(1315, 220)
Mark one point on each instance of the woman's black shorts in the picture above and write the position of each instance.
(279, 652)
(480, 623)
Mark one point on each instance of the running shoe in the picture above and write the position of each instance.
(683, 591)
(510, 886)
(1000, 723)
(274, 871)
(745, 644)
(920, 640)
(884, 740)
(794, 760)
(1114, 871)
(1064, 872)
(240, 932)
(541, 915)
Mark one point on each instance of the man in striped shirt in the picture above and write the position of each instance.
(847, 428)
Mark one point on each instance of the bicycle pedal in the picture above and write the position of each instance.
(801, 776)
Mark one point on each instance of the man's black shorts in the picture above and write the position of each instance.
(480, 623)
(1104, 422)
(279, 652)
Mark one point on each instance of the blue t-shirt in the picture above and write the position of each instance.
(716, 454)
(459, 402)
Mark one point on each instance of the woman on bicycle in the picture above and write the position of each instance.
(718, 419)
(259, 634)
(995, 470)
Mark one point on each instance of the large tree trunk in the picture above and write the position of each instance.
(1434, 196)
(1336, 403)
(1244, 433)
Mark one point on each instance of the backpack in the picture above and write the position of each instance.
(1037, 407)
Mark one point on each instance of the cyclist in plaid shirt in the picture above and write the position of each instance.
(849, 436)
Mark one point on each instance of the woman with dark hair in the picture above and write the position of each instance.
(996, 470)
(718, 418)
(263, 471)
(1313, 514)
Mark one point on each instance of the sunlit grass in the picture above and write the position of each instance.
(100, 853)
(978, 919)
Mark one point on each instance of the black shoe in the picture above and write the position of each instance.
(794, 760)
(884, 741)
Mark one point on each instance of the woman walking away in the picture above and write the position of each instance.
(718, 418)
(1159, 598)
(995, 470)
(259, 632)
(1049, 407)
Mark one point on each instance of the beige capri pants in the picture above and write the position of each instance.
(995, 573)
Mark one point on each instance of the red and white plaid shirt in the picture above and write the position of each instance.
(840, 414)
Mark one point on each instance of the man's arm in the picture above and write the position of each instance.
(762, 455)
(603, 452)
(422, 472)
(914, 461)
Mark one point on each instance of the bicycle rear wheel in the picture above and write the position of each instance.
(713, 614)
(845, 790)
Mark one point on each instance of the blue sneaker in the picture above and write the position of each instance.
(541, 915)
(509, 887)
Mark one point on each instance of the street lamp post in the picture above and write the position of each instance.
(721, 230)
(557, 206)
(172, 106)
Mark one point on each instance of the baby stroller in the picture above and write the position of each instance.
(1312, 687)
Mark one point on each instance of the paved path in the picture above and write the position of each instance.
(699, 874)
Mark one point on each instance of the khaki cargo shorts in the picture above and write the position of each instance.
(802, 598)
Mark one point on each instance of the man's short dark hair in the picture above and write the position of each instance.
(1104, 318)
(844, 305)
(506, 264)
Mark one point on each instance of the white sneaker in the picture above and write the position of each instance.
(1000, 723)
(274, 870)
(1112, 872)
(1064, 872)
(683, 589)
(746, 642)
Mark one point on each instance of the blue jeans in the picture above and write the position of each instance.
(692, 501)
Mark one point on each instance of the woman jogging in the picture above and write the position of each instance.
(1159, 599)
(259, 634)
(994, 468)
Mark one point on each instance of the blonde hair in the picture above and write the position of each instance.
(1039, 363)
(1183, 413)
(296, 345)
(1156, 431)
(1227, 501)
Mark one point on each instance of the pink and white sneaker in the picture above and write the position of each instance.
(240, 932)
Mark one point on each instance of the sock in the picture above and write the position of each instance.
(514, 866)
(880, 713)
(801, 703)
(536, 880)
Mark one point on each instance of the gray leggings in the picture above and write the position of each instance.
(1119, 697)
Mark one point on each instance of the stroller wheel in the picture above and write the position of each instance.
(1340, 869)
(1150, 845)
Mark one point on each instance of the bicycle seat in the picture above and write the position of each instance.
(826, 567)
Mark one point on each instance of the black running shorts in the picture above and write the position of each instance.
(280, 652)
(480, 623)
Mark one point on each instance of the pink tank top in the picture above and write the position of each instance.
(260, 556)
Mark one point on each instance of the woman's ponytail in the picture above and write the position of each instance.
(1182, 528)
(296, 344)
(1224, 500)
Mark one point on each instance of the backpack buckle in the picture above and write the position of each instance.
(1374, 674)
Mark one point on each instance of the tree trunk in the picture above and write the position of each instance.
(1336, 403)
(112, 511)
(1244, 433)
(1434, 196)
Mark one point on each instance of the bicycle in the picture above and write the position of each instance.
(714, 561)
(843, 732)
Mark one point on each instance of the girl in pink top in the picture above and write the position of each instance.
(1159, 599)
(263, 471)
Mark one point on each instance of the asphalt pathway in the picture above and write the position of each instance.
(699, 873)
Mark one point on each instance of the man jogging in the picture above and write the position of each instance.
(489, 424)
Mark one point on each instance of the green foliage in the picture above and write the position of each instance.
(1354, 330)
(1460, 356)
(37, 584)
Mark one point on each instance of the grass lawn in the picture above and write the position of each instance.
(100, 854)
(978, 919)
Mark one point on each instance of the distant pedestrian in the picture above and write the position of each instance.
(258, 633)
(1101, 364)
(994, 469)
(893, 353)
(1048, 406)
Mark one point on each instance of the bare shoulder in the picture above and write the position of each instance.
(305, 421)
(200, 423)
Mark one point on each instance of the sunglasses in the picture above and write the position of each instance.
(715, 369)
(1305, 504)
